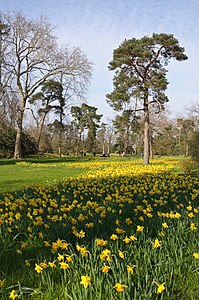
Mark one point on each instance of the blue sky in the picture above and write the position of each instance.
(99, 26)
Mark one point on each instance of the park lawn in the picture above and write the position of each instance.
(16, 176)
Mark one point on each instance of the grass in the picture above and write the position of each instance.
(15, 176)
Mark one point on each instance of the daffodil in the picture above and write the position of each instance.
(13, 295)
(105, 269)
(161, 288)
(85, 281)
(38, 268)
(119, 287)
(156, 244)
(196, 255)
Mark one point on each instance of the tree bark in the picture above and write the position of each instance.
(18, 141)
(40, 131)
(146, 133)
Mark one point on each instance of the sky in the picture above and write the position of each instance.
(100, 26)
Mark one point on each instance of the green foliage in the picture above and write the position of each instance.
(194, 146)
(7, 142)
(86, 118)
(140, 69)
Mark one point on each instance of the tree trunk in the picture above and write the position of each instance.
(146, 133)
(187, 149)
(151, 147)
(17, 152)
(40, 131)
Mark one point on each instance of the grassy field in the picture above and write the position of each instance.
(17, 175)
(118, 230)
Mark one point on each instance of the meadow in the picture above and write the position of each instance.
(111, 229)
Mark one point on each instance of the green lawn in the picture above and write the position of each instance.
(14, 176)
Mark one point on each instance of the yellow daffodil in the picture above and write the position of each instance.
(85, 281)
(140, 228)
(38, 268)
(196, 255)
(161, 288)
(193, 227)
(165, 225)
(114, 237)
(13, 295)
(119, 287)
(130, 269)
(105, 268)
(64, 265)
(156, 244)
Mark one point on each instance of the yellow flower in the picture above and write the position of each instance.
(121, 254)
(64, 265)
(17, 216)
(133, 238)
(190, 215)
(68, 258)
(105, 255)
(156, 244)
(52, 264)
(81, 234)
(164, 225)
(114, 237)
(60, 257)
(196, 255)
(13, 295)
(140, 228)
(43, 265)
(130, 269)
(160, 288)
(119, 231)
(101, 242)
(189, 207)
(46, 244)
(83, 250)
(127, 240)
(38, 268)
(193, 227)
(119, 287)
(85, 280)
(105, 269)
(128, 221)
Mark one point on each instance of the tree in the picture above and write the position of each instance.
(86, 117)
(140, 80)
(194, 145)
(33, 57)
(50, 97)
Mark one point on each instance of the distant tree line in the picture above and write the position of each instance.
(43, 105)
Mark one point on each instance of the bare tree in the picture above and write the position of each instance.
(33, 56)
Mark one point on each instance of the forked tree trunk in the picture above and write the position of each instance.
(146, 134)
